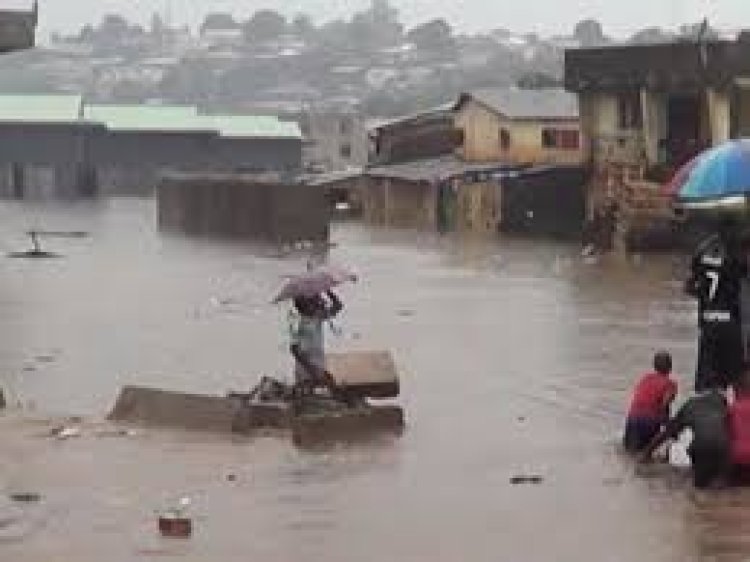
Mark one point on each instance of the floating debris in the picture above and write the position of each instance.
(34, 254)
(117, 433)
(36, 251)
(174, 527)
(25, 497)
(526, 479)
(175, 523)
(45, 359)
(63, 433)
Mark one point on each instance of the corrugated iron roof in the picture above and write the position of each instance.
(254, 126)
(152, 118)
(41, 109)
(514, 103)
(69, 109)
(438, 112)
(436, 169)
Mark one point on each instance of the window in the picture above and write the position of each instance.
(561, 139)
(549, 138)
(505, 140)
(345, 127)
(346, 151)
(570, 139)
(629, 115)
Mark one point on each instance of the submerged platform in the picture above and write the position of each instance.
(319, 422)
(364, 376)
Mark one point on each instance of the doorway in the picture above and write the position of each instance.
(685, 126)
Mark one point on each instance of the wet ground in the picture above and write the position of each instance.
(516, 360)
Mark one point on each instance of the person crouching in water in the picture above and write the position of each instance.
(649, 406)
(706, 415)
(739, 431)
(307, 342)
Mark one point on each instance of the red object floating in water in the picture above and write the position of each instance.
(175, 527)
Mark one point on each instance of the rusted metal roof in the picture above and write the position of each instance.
(681, 65)
(437, 169)
(515, 103)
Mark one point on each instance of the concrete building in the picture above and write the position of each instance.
(57, 146)
(140, 143)
(523, 127)
(18, 28)
(647, 109)
(427, 134)
(44, 146)
(334, 141)
(448, 168)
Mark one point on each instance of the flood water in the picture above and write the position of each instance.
(516, 358)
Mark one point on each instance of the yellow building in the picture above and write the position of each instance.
(523, 127)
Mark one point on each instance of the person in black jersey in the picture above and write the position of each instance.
(718, 267)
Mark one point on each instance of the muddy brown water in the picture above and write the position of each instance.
(516, 359)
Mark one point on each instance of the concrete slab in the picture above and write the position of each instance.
(320, 421)
(161, 408)
(313, 430)
(369, 374)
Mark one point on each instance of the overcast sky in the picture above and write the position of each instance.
(546, 16)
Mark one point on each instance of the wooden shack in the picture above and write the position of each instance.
(242, 206)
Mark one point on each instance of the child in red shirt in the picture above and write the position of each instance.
(649, 407)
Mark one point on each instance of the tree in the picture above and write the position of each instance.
(87, 34)
(383, 13)
(651, 35)
(435, 35)
(157, 24)
(115, 25)
(698, 31)
(265, 25)
(590, 33)
(303, 26)
(218, 21)
(375, 28)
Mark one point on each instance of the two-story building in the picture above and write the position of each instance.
(494, 159)
(648, 109)
(523, 127)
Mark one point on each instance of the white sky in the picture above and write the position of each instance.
(547, 16)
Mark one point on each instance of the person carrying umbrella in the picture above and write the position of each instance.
(717, 270)
(717, 183)
(314, 304)
(307, 341)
